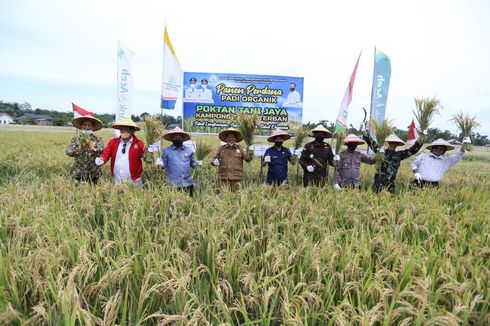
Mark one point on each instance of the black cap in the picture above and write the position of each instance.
(192, 80)
(204, 80)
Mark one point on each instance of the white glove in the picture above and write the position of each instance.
(362, 128)
(310, 168)
(216, 162)
(334, 152)
(336, 187)
(382, 150)
(298, 151)
(467, 140)
(199, 163)
(159, 161)
(99, 161)
(424, 132)
(267, 158)
(251, 147)
(417, 176)
(336, 158)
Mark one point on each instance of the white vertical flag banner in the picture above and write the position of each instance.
(124, 102)
(171, 75)
(341, 123)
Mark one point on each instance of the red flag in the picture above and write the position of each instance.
(412, 134)
(78, 111)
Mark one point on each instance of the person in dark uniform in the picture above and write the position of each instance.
(316, 157)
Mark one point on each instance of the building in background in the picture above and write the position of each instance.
(38, 119)
(5, 119)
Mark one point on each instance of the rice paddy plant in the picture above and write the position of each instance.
(79, 254)
(382, 130)
(466, 125)
(425, 110)
(247, 123)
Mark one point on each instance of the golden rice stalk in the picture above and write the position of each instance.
(381, 130)
(466, 125)
(301, 135)
(202, 149)
(153, 129)
(339, 136)
(247, 123)
(425, 109)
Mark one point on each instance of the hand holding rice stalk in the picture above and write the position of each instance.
(301, 135)
(425, 109)
(247, 124)
(381, 130)
(153, 132)
(466, 125)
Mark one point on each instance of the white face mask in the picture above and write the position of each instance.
(193, 85)
(87, 132)
(204, 86)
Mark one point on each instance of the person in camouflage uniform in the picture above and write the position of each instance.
(385, 176)
(348, 164)
(85, 147)
(316, 157)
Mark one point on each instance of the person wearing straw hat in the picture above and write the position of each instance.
(385, 176)
(316, 157)
(429, 168)
(348, 170)
(85, 147)
(126, 153)
(178, 160)
(277, 157)
(229, 159)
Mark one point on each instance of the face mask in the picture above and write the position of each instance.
(87, 132)
(292, 89)
(278, 143)
(204, 86)
(125, 135)
(177, 142)
(319, 139)
(352, 147)
(193, 85)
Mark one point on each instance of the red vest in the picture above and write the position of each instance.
(136, 152)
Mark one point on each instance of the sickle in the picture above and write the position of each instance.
(365, 115)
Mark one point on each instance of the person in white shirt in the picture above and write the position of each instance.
(429, 168)
(204, 93)
(191, 93)
(294, 97)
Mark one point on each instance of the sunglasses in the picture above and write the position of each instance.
(124, 149)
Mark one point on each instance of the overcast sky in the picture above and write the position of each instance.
(55, 52)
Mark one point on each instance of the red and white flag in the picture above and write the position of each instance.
(79, 112)
(341, 122)
(413, 135)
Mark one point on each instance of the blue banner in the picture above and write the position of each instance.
(381, 83)
(212, 101)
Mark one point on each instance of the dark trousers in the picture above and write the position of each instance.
(423, 183)
(189, 189)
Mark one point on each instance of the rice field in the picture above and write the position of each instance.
(74, 254)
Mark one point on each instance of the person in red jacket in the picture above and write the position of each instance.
(126, 153)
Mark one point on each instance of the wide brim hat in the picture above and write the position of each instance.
(353, 139)
(77, 122)
(176, 131)
(276, 133)
(440, 142)
(321, 128)
(222, 135)
(392, 138)
(126, 122)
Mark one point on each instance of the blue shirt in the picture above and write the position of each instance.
(178, 162)
(278, 166)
